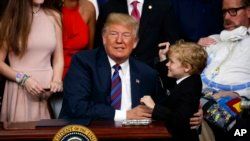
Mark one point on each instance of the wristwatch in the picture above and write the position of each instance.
(19, 77)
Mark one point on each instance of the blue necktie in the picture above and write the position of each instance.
(116, 88)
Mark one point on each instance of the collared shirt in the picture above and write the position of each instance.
(181, 79)
(228, 65)
(126, 102)
(139, 6)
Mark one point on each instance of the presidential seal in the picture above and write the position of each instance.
(75, 133)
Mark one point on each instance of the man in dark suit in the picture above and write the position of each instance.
(88, 84)
(157, 24)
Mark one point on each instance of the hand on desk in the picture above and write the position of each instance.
(139, 112)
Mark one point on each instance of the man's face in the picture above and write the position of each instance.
(235, 14)
(119, 41)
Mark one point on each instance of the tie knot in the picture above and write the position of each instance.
(134, 3)
(117, 67)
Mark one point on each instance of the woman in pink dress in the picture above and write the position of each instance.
(31, 38)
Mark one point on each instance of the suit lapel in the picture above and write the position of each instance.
(135, 81)
(104, 68)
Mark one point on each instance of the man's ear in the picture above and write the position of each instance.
(103, 39)
(248, 12)
(136, 42)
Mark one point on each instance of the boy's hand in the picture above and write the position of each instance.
(148, 101)
(163, 50)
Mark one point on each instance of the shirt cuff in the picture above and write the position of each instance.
(120, 115)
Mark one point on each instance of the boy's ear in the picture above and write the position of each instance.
(188, 67)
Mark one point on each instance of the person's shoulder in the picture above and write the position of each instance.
(195, 76)
(54, 15)
(87, 53)
(53, 12)
(194, 79)
(87, 10)
(87, 6)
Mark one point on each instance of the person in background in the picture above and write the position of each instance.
(198, 18)
(78, 20)
(186, 61)
(227, 72)
(31, 37)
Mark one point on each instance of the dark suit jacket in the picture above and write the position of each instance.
(87, 86)
(179, 106)
(156, 25)
(198, 18)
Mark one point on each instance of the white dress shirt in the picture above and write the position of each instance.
(139, 6)
(181, 79)
(233, 60)
(126, 102)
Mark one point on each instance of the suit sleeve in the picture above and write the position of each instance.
(177, 118)
(78, 101)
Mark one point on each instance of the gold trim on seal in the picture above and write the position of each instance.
(74, 131)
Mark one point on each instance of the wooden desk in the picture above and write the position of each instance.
(104, 130)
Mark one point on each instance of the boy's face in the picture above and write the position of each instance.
(175, 68)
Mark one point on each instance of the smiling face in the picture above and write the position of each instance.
(175, 68)
(119, 41)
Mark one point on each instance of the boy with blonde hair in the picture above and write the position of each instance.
(186, 61)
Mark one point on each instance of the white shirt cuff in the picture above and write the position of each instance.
(120, 115)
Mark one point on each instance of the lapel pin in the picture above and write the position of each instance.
(137, 81)
(150, 7)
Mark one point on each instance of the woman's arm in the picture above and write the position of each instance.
(30, 84)
(5, 70)
(89, 14)
(57, 61)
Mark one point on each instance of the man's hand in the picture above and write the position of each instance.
(206, 41)
(224, 94)
(196, 120)
(139, 112)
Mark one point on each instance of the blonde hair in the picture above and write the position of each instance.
(190, 53)
(121, 19)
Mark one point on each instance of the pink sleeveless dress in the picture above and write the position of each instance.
(19, 105)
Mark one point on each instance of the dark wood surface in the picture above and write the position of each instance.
(104, 130)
